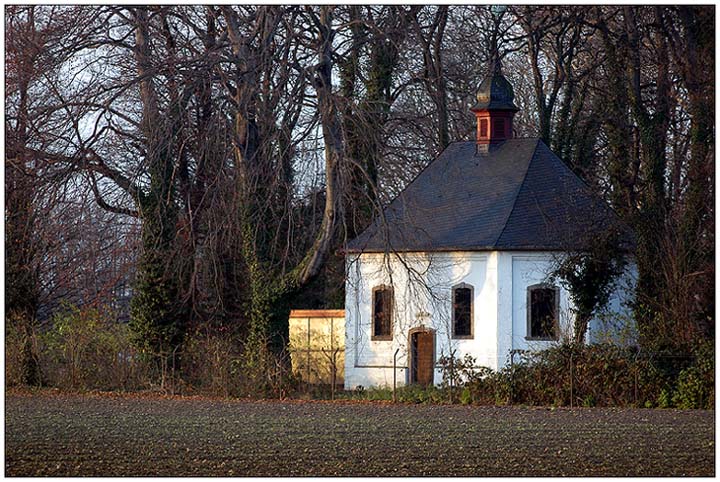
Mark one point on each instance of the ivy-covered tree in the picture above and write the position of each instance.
(590, 275)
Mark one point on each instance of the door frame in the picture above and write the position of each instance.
(411, 351)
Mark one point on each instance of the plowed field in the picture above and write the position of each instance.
(55, 434)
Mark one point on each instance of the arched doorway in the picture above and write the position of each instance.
(422, 356)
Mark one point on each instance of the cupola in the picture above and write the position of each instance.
(494, 109)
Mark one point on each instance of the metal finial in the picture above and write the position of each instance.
(495, 63)
(496, 67)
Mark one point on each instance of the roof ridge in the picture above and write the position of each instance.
(517, 193)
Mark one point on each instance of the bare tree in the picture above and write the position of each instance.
(39, 41)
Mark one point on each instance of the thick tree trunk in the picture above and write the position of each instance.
(157, 317)
(695, 51)
(334, 148)
(652, 136)
(21, 263)
(623, 174)
(21, 275)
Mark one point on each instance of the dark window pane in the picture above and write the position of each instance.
(462, 317)
(383, 312)
(542, 313)
(499, 128)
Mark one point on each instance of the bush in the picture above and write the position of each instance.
(664, 399)
(86, 349)
(419, 394)
(696, 384)
(208, 364)
(216, 364)
(465, 396)
(598, 375)
(21, 351)
(457, 371)
(14, 343)
(487, 387)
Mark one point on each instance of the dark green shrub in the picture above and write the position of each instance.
(405, 394)
(489, 387)
(598, 375)
(465, 396)
(263, 373)
(696, 384)
(382, 393)
(664, 399)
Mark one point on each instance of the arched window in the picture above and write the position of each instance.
(462, 311)
(382, 312)
(542, 312)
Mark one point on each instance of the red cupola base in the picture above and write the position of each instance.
(494, 126)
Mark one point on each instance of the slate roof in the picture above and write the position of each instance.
(518, 196)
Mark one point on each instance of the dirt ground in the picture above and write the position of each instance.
(70, 435)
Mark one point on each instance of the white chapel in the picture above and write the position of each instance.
(460, 261)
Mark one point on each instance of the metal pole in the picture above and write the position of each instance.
(334, 355)
(307, 359)
(571, 380)
(452, 374)
(512, 375)
(334, 371)
(636, 383)
(395, 375)
(637, 368)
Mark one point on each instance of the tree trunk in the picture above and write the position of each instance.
(156, 311)
(21, 263)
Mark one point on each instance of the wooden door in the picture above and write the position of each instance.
(423, 357)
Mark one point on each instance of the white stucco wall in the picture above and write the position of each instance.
(529, 269)
(422, 284)
(422, 289)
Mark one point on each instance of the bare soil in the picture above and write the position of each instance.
(56, 434)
